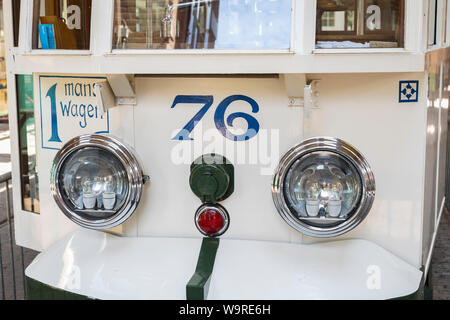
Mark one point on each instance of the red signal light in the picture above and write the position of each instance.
(212, 220)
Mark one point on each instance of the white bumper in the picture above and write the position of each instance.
(103, 266)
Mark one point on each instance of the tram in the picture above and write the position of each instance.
(225, 149)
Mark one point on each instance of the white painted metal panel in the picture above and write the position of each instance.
(203, 62)
(443, 128)
(349, 269)
(103, 266)
(360, 109)
(168, 204)
(431, 160)
(365, 111)
(53, 225)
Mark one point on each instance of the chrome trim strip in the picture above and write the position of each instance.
(127, 157)
(343, 149)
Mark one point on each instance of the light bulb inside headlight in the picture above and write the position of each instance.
(90, 174)
(322, 184)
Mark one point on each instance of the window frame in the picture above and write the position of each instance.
(104, 46)
(411, 43)
(32, 217)
(33, 202)
(444, 39)
(27, 36)
(358, 25)
(303, 34)
(441, 21)
(434, 14)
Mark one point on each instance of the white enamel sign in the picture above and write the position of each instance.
(68, 107)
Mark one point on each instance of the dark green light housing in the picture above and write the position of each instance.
(212, 178)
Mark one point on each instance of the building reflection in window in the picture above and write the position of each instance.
(360, 23)
(62, 24)
(202, 24)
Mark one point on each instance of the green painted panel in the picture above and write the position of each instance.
(198, 285)
(25, 92)
(39, 291)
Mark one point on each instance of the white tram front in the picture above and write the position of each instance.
(224, 149)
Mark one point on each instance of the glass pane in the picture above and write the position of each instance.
(62, 24)
(444, 23)
(359, 23)
(16, 21)
(324, 186)
(94, 183)
(15, 17)
(27, 141)
(202, 24)
(432, 15)
(3, 90)
(338, 21)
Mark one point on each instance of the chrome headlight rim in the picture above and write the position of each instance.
(127, 157)
(342, 149)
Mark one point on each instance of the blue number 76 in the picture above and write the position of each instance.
(219, 116)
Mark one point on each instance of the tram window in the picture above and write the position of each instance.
(432, 22)
(359, 24)
(27, 143)
(16, 21)
(202, 24)
(3, 89)
(62, 24)
(445, 22)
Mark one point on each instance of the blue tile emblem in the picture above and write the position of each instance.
(408, 91)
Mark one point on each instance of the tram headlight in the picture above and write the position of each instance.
(323, 187)
(96, 181)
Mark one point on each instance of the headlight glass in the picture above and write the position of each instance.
(97, 181)
(95, 184)
(322, 186)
